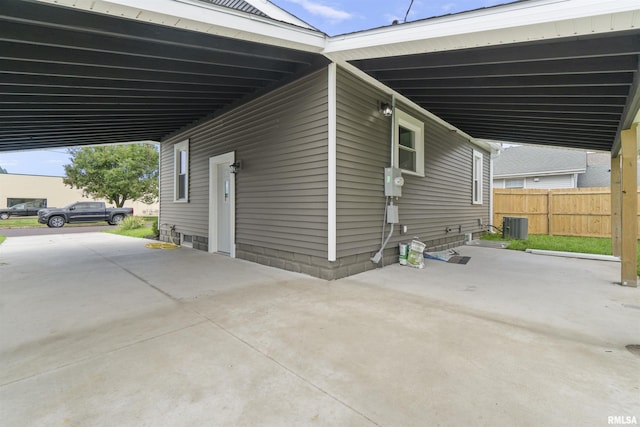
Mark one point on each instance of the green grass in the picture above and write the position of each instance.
(33, 223)
(29, 222)
(2, 238)
(136, 232)
(585, 245)
(20, 223)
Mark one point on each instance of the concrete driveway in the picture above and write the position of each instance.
(97, 330)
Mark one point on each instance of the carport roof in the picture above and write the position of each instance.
(76, 77)
(537, 71)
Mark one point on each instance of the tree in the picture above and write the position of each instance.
(3, 170)
(116, 172)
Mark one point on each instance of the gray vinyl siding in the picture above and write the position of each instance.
(281, 190)
(442, 198)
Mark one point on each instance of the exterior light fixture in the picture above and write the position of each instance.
(386, 109)
(235, 166)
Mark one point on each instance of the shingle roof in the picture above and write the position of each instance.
(240, 5)
(532, 160)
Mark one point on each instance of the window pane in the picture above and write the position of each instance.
(406, 137)
(182, 186)
(407, 160)
(183, 162)
(514, 183)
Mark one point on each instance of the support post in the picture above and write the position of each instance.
(629, 212)
(616, 224)
(550, 212)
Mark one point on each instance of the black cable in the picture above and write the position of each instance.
(407, 14)
(497, 228)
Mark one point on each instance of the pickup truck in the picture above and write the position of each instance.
(82, 212)
(21, 209)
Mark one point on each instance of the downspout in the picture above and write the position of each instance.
(393, 130)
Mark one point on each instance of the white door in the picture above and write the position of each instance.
(222, 205)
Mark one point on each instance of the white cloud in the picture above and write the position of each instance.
(7, 160)
(317, 8)
(447, 7)
(55, 161)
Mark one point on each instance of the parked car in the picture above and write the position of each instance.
(21, 209)
(82, 212)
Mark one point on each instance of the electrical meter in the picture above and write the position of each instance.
(393, 182)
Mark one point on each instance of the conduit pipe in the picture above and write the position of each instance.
(378, 255)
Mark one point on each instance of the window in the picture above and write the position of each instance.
(514, 183)
(477, 177)
(181, 159)
(30, 203)
(409, 143)
(187, 241)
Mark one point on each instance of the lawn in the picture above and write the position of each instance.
(20, 223)
(135, 226)
(586, 245)
(30, 222)
(141, 232)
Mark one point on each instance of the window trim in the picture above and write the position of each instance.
(477, 178)
(415, 125)
(177, 149)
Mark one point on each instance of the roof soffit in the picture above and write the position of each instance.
(207, 18)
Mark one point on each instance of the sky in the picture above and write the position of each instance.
(333, 17)
(346, 16)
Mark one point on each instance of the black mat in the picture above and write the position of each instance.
(457, 259)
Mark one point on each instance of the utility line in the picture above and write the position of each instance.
(407, 14)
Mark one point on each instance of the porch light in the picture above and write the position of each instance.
(235, 166)
(385, 109)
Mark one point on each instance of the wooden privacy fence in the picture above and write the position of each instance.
(563, 212)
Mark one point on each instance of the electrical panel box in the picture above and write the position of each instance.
(393, 216)
(393, 182)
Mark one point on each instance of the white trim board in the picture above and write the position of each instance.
(332, 163)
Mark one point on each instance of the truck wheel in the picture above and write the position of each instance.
(55, 222)
(4, 215)
(117, 219)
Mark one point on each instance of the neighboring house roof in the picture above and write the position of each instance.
(534, 161)
(262, 8)
(240, 5)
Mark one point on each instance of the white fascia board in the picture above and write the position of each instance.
(512, 23)
(545, 173)
(206, 18)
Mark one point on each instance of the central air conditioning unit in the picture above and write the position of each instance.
(514, 227)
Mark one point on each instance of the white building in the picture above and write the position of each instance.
(50, 191)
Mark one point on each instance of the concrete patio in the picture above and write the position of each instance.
(97, 330)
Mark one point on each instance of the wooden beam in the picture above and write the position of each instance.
(616, 195)
(629, 212)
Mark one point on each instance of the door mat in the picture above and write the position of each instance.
(457, 259)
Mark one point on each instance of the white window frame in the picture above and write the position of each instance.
(177, 149)
(409, 122)
(478, 172)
